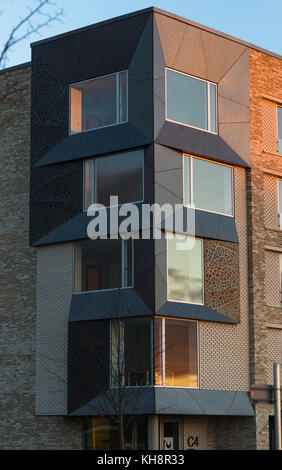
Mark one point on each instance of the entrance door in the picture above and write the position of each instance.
(170, 434)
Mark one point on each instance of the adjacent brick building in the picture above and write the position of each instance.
(58, 292)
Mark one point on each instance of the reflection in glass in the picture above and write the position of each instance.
(185, 277)
(98, 102)
(187, 100)
(181, 367)
(212, 186)
(98, 264)
(131, 349)
(115, 175)
(158, 354)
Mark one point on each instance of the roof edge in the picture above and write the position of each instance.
(165, 13)
(15, 67)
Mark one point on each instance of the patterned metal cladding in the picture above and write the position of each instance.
(54, 291)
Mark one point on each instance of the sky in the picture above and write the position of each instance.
(255, 21)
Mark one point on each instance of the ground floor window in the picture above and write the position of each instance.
(102, 433)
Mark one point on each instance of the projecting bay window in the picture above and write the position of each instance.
(99, 102)
(131, 352)
(184, 270)
(103, 264)
(119, 175)
(176, 353)
(191, 101)
(208, 185)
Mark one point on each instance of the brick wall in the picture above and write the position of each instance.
(265, 240)
(19, 426)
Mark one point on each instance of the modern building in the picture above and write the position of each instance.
(155, 109)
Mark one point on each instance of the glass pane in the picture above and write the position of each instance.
(96, 106)
(123, 96)
(187, 186)
(171, 435)
(181, 365)
(119, 175)
(187, 100)
(212, 186)
(116, 352)
(137, 351)
(100, 265)
(279, 125)
(212, 107)
(104, 435)
(280, 203)
(158, 351)
(127, 266)
(87, 184)
(185, 277)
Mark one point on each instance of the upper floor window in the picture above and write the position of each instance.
(191, 101)
(279, 128)
(132, 352)
(208, 185)
(103, 264)
(176, 353)
(115, 175)
(185, 271)
(99, 102)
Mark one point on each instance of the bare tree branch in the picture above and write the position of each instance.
(28, 26)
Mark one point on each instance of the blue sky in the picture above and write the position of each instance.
(255, 21)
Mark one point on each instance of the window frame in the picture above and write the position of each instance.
(203, 270)
(163, 351)
(117, 74)
(122, 270)
(92, 170)
(208, 102)
(191, 184)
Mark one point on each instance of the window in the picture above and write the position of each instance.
(99, 102)
(115, 175)
(102, 433)
(280, 202)
(185, 271)
(176, 353)
(131, 352)
(190, 101)
(208, 185)
(103, 264)
(279, 128)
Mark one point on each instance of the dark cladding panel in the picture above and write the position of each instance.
(88, 362)
(94, 51)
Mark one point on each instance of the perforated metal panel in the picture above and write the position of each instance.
(54, 291)
(271, 202)
(274, 351)
(224, 349)
(269, 131)
(272, 278)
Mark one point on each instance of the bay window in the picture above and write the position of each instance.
(131, 352)
(103, 264)
(176, 353)
(191, 101)
(208, 185)
(184, 271)
(119, 175)
(99, 102)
